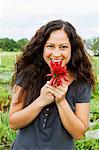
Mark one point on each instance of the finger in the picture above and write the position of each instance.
(61, 89)
(56, 92)
(49, 86)
(53, 89)
(48, 82)
(64, 83)
(57, 95)
(57, 89)
(53, 92)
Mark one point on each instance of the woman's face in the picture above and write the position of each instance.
(57, 48)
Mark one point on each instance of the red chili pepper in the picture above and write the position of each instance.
(57, 73)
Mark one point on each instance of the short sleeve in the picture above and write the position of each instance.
(83, 93)
(19, 79)
(23, 78)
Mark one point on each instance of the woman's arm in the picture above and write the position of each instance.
(19, 117)
(75, 123)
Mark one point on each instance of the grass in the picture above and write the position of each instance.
(6, 134)
(7, 60)
(96, 65)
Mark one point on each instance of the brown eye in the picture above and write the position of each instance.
(64, 47)
(49, 46)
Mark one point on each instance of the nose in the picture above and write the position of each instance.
(56, 52)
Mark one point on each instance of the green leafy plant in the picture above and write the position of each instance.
(7, 135)
(87, 144)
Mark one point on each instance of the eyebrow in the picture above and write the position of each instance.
(64, 43)
(60, 44)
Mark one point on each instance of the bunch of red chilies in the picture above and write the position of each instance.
(57, 73)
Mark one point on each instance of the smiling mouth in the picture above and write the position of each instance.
(56, 60)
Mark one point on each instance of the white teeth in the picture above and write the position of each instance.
(58, 60)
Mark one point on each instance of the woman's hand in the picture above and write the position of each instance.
(59, 92)
(45, 96)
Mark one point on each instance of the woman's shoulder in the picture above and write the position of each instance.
(23, 76)
(81, 83)
(82, 90)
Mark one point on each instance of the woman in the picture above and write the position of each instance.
(48, 117)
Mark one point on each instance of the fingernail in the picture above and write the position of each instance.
(48, 81)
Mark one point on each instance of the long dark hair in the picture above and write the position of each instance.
(31, 69)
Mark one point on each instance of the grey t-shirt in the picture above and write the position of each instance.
(46, 132)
